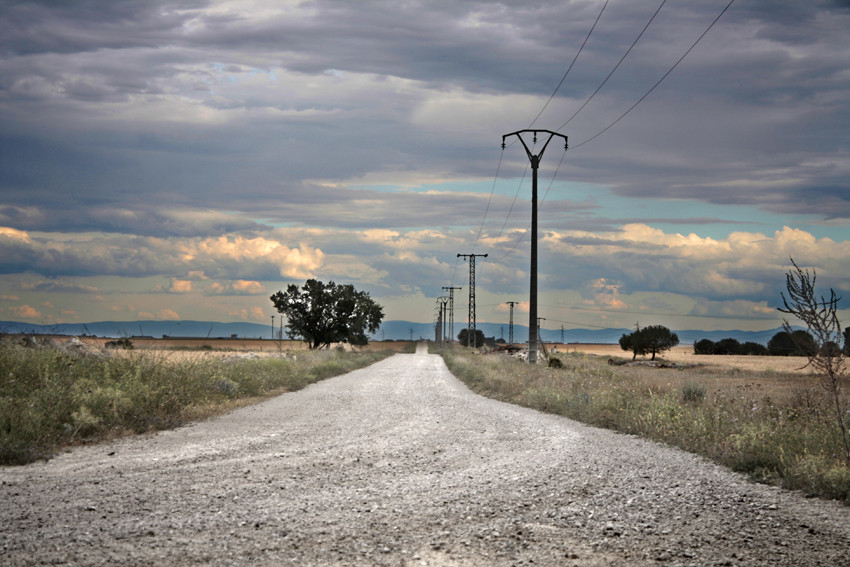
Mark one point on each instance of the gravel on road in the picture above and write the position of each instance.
(400, 464)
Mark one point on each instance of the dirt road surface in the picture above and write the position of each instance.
(399, 464)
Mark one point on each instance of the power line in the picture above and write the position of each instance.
(585, 325)
(657, 313)
(676, 64)
(587, 37)
(628, 312)
(623, 58)
(522, 235)
(487, 210)
(560, 83)
(608, 127)
(516, 196)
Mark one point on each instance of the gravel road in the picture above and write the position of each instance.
(399, 464)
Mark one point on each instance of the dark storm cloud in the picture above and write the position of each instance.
(157, 120)
(141, 220)
(71, 26)
(58, 55)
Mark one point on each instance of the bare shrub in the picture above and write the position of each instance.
(821, 317)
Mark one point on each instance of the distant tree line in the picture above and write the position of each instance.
(783, 343)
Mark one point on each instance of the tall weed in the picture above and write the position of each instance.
(50, 398)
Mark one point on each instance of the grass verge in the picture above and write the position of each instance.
(777, 428)
(50, 398)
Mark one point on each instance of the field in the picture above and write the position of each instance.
(233, 345)
(685, 355)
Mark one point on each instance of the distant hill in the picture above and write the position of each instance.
(156, 329)
(390, 330)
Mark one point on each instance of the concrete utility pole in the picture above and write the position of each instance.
(470, 328)
(535, 164)
(539, 324)
(451, 291)
(438, 326)
(511, 326)
(444, 301)
(272, 327)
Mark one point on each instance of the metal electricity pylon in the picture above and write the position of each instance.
(511, 327)
(451, 291)
(535, 164)
(470, 328)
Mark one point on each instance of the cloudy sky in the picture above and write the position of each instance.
(185, 160)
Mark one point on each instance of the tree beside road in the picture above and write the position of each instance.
(324, 313)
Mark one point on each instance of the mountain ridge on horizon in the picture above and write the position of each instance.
(390, 330)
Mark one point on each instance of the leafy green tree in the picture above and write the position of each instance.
(754, 349)
(792, 343)
(478, 338)
(704, 346)
(658, 338)
(781, 344)
(325, 313)
(652, 340)
(727, 346)
(631, 342)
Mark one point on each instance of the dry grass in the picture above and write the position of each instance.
(258, 346)
(776, 426)
(685, 355)
(53, 398)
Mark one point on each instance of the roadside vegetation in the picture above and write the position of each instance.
(51, 398)
(778, 428)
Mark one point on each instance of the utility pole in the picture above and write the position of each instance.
(444, 301)
(535, 164)
(438, 326)
(511, 327)
(562, 334)
(539, 319)
(272, 327)
(470, 328)
(451, 291)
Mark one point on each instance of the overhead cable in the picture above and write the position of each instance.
(602, 84)
(487, 210)
(676, 64)
(571, 65)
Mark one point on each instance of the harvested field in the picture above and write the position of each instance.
(685, 354)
